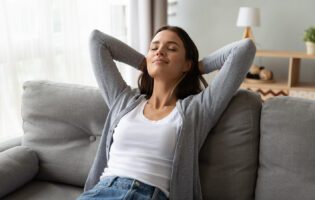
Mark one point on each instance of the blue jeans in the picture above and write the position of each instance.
(117, 188)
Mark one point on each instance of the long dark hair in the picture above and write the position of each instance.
(190, 84)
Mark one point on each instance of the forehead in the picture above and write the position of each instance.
(167, 36)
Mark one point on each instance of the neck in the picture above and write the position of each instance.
(162, 96)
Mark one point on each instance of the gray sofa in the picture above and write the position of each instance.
(256, 151)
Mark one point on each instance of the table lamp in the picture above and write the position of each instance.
(248, 17)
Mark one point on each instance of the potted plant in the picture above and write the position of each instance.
(309, 38)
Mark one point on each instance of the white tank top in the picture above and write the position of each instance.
(143, 149)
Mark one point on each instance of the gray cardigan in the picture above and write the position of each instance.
(199, 112)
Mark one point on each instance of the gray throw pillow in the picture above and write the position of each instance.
(63, 124)
(229, 156)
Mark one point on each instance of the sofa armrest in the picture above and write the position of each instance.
(10, 143)
(18, 166)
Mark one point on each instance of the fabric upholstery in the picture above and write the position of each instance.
(62, 123)
(7, 144)
(287, 150)
(42, 190)
(18, 166)
(229, 157)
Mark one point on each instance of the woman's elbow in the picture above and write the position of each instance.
(249, 46)
(97, 38)
(94, 36)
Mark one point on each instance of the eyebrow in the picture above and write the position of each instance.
(168, 42)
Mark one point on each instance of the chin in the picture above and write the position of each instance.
(154, 73)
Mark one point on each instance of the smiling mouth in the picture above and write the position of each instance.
(160, 61)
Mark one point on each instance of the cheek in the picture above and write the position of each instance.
(150, 55)
(149, 59)
(179, 62)
(150, 68)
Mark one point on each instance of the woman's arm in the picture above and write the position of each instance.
(215, 60)
(104, 49)
(233, 61)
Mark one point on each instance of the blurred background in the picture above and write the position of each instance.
(48, 39)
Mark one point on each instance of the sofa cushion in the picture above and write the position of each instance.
(229, 156)
(287, 150)
(63, 123)
(18, 166)
(39, 190)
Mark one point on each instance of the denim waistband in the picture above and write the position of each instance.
(128, 183)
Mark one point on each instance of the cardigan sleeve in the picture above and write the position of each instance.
(233, 62)
(104, 49)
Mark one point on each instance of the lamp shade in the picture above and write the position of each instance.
(248, 17)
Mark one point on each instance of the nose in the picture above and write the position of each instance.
(160, 52)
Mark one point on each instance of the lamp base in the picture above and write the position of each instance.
(248, 33)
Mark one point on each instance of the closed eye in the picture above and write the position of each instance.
(169, 48)
(171, 45)
(172, 49)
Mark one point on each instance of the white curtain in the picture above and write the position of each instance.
(48, 39)
(145, 17)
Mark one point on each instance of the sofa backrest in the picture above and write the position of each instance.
(287, 150)
(229, 156)
(63, 124)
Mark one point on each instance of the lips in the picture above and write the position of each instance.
(159, 60)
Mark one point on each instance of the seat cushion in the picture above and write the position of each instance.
(287, 150)
(62, 124)
(229, 156)
(39, 190)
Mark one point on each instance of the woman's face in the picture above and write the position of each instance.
(166, 57)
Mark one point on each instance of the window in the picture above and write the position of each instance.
(48, 40)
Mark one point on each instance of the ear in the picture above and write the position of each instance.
(188, 65)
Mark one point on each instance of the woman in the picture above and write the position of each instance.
(152, 136)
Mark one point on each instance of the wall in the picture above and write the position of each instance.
(212, 24)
